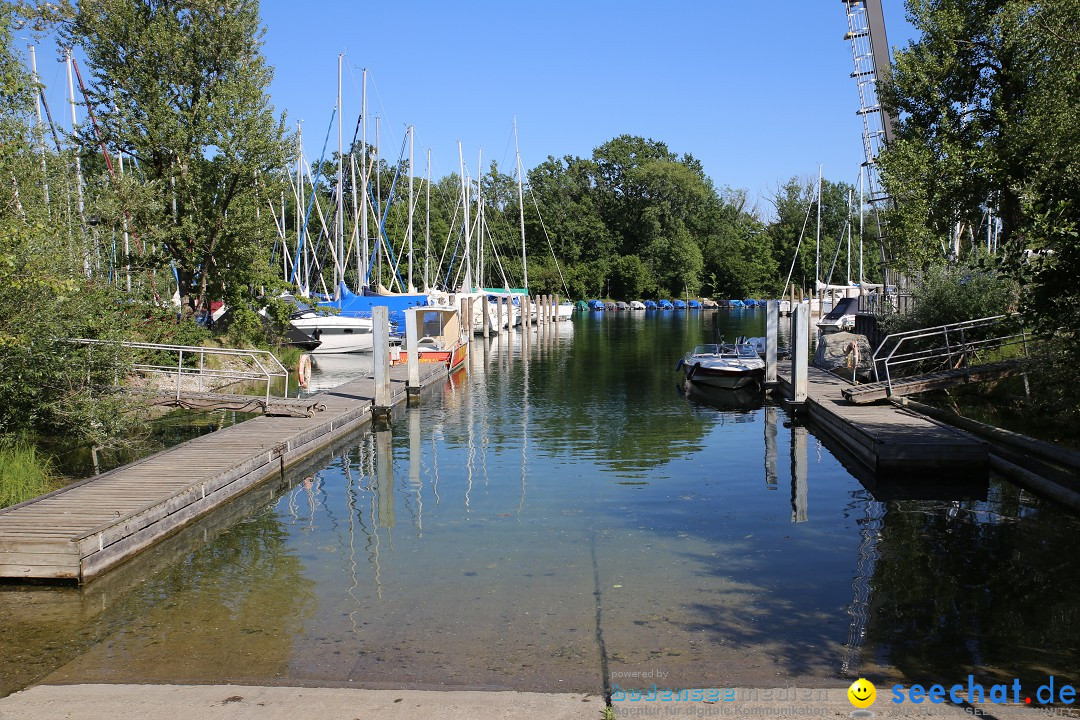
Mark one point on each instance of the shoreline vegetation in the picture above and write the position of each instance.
(983, 174)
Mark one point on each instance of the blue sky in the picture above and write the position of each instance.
(757, 92)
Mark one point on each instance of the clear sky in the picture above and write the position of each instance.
(758, 92)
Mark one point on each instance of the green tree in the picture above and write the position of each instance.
(181, 87)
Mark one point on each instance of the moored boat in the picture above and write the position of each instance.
(442, 336)
(723, 365)
(637, 305)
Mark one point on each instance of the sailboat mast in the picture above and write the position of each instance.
(427, 224)
(339, 227)
(409, 230)
(466, 222)
(40, 127)
(862, 213)
(521, 207)
(363, 182)
(480, 219)
(850, 204)
(817, 245)
(78, 162)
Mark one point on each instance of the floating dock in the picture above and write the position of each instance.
(887, 439)
(80, 531)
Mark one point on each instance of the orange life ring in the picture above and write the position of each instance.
(303, 370)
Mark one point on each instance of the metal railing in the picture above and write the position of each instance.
(947, 346)
(255, 365)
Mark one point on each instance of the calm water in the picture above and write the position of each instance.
(560, 515)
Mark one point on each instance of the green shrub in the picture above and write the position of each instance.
(24, 474)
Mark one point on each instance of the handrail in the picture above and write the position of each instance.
(954, 341)
(264, 365)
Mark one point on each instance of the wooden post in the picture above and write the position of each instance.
(800, 339)
(468, 321)
(526, 312)
(499, 315)
(539, 307)
(798, 471)
(380, 315)
(544, 300)
(412, 341)
(555, 308)
(484, 308)
(772, 331)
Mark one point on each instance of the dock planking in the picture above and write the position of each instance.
(79, 531)
(886, 439)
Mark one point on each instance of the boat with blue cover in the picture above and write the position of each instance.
(665, 305)
(649, 304)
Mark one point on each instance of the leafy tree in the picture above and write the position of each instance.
(181, 87)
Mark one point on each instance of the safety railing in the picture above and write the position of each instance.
(947, 346)
(249, 365)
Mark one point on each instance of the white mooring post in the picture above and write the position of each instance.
(380, 314)
(412, 342)
(485, 308)
(800, 342)
(499, 316)
(772, 331)
(467, 318)
(555, 309)
(526, 312)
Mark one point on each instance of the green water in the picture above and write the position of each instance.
(560, 516)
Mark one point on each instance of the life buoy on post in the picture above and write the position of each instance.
(303, 370)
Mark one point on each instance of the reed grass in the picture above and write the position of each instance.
(24, 472)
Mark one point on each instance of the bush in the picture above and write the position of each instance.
(24, 474)
(949, 294)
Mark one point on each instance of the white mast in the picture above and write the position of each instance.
(851, 207)
(363, 180)
(78, 162)
(339, 227)
(409, 231)
(861, 214)
(298, 267)
(479, 220)
(467, 285)
(521, 207)
(817, 245)
(41, 126)
(427, 224)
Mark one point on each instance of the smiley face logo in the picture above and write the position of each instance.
(862, 693)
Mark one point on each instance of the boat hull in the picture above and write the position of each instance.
(726, 379)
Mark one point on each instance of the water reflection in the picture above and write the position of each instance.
(467, 545)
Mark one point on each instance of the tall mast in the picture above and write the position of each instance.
(409, 231)
(339, 227)
(851, 207)
(479, 220)
(298, 267)
(78, 162)
(427, 224)
(40, 126)
(466, 222)
(378, 198)
(862, 213)
(817, 244)
(521, 207)
(364, 179)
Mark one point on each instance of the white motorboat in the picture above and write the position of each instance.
(841, 317)
(335, 333)
(637, 305)
(723, 365)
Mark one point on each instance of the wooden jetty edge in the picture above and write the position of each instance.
(79, 531)
(886, 438)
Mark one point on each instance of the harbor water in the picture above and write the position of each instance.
(563, 515)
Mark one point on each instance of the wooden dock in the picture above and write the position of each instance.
(885, 438)
(81, 530)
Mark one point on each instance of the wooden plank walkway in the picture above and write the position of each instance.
(885, 438)
(878, 391)
(83, 529)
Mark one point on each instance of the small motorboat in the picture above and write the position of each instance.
(841, 317)
(665, 305)
(442, 337)
(637, 305)
(596, 305)
(649, 304)
(723, 365)
(679, 304)
(620, 305)
(694, 305)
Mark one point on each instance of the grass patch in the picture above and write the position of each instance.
(24, 473)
